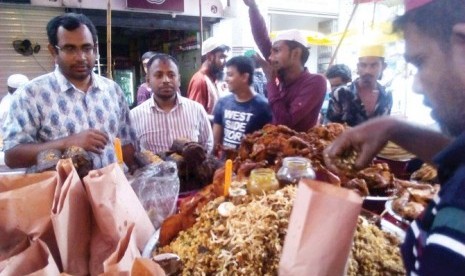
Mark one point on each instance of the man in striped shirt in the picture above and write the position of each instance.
(434, 32)
(167, 115)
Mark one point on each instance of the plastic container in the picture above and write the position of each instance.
(262, 180)
(294, 169)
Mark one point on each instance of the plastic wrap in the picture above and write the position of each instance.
(157, 186)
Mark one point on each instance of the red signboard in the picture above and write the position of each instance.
(158, 5)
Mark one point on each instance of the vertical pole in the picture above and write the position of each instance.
(201, 25)
(343, 34)
(109, 65)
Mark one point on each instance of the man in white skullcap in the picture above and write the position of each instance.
(14, 82)
(202, 87)
(295, 95)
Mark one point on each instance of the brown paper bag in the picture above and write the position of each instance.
(120, 261)
(127, 260)
(25, 202)
(11, 243)
(115, 206)
(71, 219)
(321, 229)
(35, 260)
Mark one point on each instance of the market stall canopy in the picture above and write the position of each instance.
(381, 33)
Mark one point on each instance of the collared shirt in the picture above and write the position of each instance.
(345, 105)
(156, 129)
(50, 107)
(435, 242)
(297, 104)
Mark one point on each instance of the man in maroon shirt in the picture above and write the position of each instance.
(294, 94)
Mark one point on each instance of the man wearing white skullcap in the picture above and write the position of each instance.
(295, 95)
(14, 81)
(202, 86)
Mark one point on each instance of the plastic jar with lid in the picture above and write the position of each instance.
(294, 169)
(262, 180)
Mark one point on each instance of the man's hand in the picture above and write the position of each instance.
(91, 140)
(366, 139)
(250, 3)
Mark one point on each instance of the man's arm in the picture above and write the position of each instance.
(259, 30)
(306, 104)
(370, 137)
(217, 138)
(24, 155)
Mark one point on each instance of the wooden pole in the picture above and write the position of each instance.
(343, 35)
(201, 25)
(109, 64)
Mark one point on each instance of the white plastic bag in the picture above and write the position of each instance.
(157, 186)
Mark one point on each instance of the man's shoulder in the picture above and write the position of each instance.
(190, 103)
(315, 80)
(141, 107)
(100, 80)
(198, 76)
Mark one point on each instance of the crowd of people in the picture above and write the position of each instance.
(74, 106)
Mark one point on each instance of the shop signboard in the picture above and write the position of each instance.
(157, 5)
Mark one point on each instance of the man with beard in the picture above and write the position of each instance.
(71, 106)
(434, 32)
(295, 95)
(168, 116)
(364, 98)
(202, 87)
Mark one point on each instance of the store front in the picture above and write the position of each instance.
(172, 27)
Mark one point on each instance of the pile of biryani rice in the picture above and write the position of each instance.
(248, 241)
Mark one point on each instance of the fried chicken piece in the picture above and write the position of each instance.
(358, 185)
(247, 166)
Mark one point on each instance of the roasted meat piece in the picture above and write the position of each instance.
(359, 185)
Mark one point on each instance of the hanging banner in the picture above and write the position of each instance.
(157, 5)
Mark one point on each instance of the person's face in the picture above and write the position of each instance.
(236, 80)
(282, 57)
(218, 60)
(144, 64)
(370, 69)
(75, 53)
(336, 82)
(440, 78)
(163, 79)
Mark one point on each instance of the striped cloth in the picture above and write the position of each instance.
(435, 242)
(156, 129)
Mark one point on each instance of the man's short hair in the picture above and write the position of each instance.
(243, 65)
(435, 19)
(161, 57)
(305, 51)
(148, 55)
(339, 70)
(69, 21)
